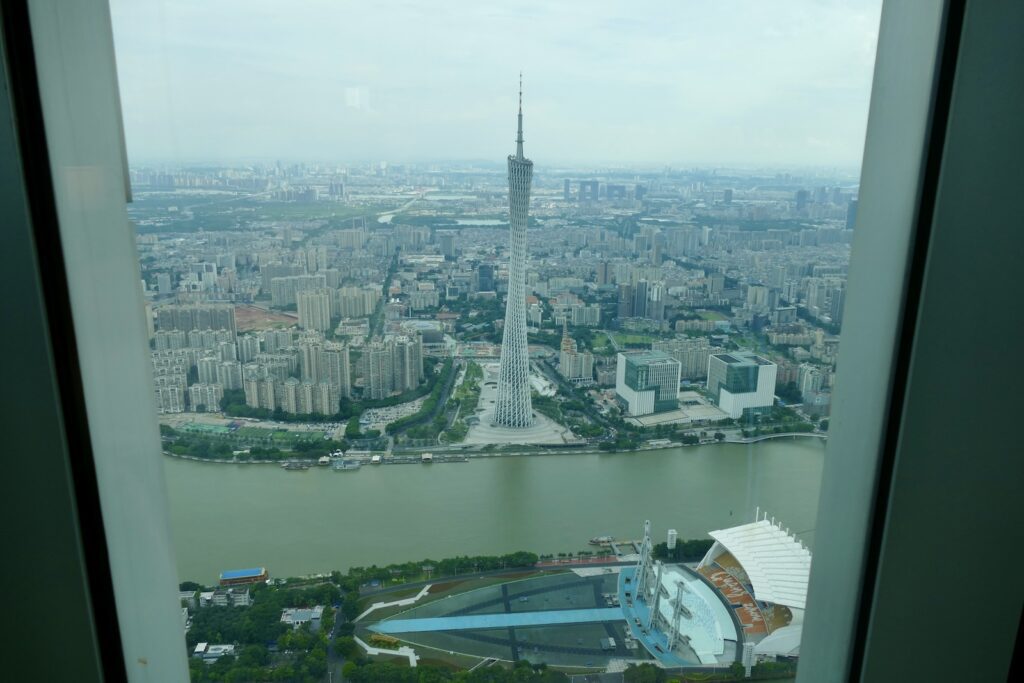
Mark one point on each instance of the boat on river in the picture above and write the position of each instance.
(345, 465)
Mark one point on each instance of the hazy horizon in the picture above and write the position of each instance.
(732, 84)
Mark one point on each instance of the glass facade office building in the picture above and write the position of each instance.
(647, 382)
(741, 382)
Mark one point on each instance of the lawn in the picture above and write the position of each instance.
(626, 338)
(602, 344)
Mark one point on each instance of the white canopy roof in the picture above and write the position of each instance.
(778, 565)
(783, 642)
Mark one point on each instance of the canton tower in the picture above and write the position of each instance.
(513, 409)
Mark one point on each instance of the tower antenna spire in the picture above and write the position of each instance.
(519, 137)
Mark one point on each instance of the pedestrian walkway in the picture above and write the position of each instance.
(403, 651)
(395, 603)
(506, 620)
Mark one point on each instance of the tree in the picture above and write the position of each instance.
(350, 605)
(644, 673)
(719, 436)
(346, 646)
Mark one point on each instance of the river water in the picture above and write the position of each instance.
(296, 523)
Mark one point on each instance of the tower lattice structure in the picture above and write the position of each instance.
(513, 406)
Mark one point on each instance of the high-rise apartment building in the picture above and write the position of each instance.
(574, 365)
(229, 375)
(378, 370)
(207, 368)
(196, 317)
(275, 340)
(691, 352)
(284, 290)
(205, 397)
(171, 339)
(334, 368)
(170, 399)
(357, 302)
(310, 351)
(513, 407)
(163, 283)
(275, 270)
(406, 362)
(314, 309)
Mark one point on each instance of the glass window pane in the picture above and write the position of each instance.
(594, 307)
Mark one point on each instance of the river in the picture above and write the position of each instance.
(296, 523)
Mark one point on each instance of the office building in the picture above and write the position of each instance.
(589, 190)
(485, 277)
(446, 244)
(625, 307)
(647, 382)
(741, 382)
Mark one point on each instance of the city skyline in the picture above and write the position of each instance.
(661, 83)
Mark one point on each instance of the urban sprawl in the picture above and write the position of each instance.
(363, 305)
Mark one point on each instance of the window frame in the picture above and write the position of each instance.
(64, 153)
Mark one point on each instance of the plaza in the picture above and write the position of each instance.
(482, 431)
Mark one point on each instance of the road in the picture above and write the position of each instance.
(442, 400)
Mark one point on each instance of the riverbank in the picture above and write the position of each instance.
(473, 454)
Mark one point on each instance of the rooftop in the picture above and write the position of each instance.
(242, 573)
(300, 615)
(648, 357)
(741, 358)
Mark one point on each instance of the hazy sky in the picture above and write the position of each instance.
(659, 82)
